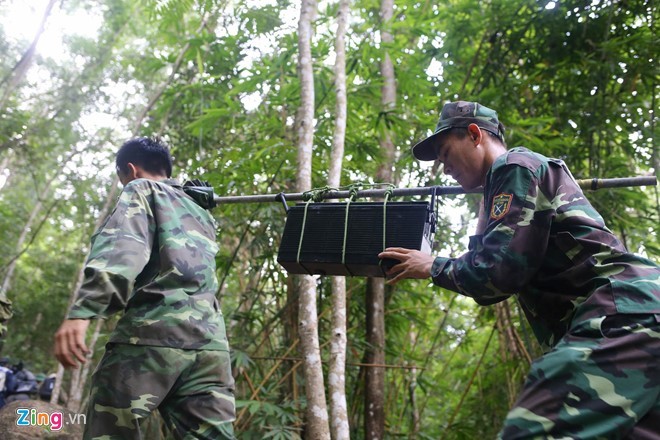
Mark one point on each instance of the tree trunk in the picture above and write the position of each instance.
(412, 392)
(317, 411)
(291, 336)
(57, 387)
(374, 408)
(337, 369)
(4, 165)
(339, 134)
(17, 74)
(339, 427)
(388, 91)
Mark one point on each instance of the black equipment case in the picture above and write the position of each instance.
(318, 242)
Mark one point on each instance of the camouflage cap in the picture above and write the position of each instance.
(459, 114)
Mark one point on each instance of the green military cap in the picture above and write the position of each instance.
(459, 114)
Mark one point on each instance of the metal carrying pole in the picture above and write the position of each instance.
(588, 184)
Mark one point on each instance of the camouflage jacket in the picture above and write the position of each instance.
(545, 243)
(154, 259)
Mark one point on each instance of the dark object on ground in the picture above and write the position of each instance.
(46, 388)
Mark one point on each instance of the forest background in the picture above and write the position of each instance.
(251, 97)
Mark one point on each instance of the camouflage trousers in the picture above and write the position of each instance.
(192, 389)
(601, 381)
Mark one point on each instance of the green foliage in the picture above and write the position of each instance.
(270, 421)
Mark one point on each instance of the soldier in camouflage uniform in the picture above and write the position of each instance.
(594, 307)
(153, 259)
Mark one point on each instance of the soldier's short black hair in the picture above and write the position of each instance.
(150, 154)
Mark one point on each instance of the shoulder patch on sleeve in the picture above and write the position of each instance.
(501, 205)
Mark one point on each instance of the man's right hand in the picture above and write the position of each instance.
(70, 342)
(412, 264)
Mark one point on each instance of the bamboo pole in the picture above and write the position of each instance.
(586, 184)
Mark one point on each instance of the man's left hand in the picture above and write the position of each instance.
(412, 264)
(70, 345)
